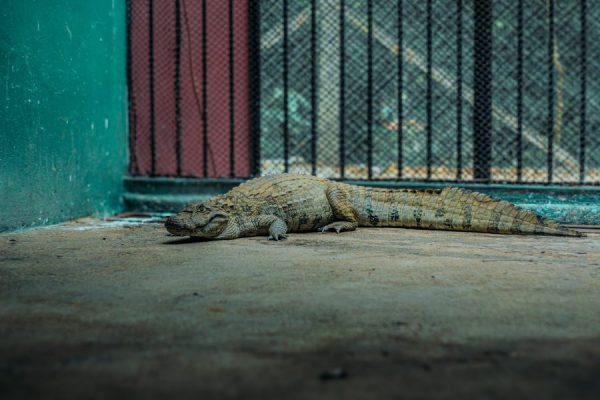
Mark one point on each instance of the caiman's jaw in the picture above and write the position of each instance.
(198, 221)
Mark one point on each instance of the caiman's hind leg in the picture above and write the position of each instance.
(346, 218)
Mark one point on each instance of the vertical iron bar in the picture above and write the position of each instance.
(459, 91)
(582, 90)
(482, 76)
(313, 85)
(550, 132)
(204, 91)
(178, 132)
(152, 105)
(370, 90)
(342, 89)
(133, 165)
(520, 91)
(286, 117)
(429, 94)
(400, 73)
(254, 83)
(231, 93)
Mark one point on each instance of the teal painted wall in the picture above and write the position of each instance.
(63, 110)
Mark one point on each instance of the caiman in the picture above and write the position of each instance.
(278, 204)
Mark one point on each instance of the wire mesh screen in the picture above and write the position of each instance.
(188, 71)
(484, 91)
(459, 90)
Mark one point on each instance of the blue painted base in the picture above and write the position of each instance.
(567, 205)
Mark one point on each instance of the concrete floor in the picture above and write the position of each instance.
(91, 311)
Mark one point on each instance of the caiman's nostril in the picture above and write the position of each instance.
(173, 222)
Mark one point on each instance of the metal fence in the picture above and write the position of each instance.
(457, 91)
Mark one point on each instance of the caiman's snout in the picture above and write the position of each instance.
(198, 222)
(177, 226)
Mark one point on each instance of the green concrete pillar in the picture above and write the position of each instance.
(63, 110)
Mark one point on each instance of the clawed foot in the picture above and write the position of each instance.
(330, 228)
(278, 230)
(338, 226)
(278, 236)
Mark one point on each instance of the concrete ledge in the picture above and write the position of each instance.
(171, 194)
(567, 204)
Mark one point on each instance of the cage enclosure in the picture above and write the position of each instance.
(496, 96)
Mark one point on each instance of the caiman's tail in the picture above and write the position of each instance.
(452, 209)
(481, 213)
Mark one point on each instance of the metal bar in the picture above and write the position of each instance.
(178, 133)
(400, 72)
(133, 165)
(459, 91)
(313, 85)
(342, 89)
(582, 89)
(550, 132)
(231, 92)
(204, 91)
(254, 83)
(152, 105)
(286, 99)
(482, 90)
(429, 95)
(519, 138)
(370, 89)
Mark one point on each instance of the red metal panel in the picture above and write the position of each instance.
(217, 88)
(191, 89)
(164, 87)
(242, 142)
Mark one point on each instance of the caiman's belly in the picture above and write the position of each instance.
(297, 199)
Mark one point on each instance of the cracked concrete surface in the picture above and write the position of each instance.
(91, 311)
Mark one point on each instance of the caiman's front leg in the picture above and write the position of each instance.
(276, 227)
(346, 217)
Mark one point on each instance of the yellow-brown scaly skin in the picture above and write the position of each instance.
(278, 204)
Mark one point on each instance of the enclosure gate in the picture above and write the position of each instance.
(457, 91)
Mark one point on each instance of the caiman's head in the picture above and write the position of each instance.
(198, 220)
